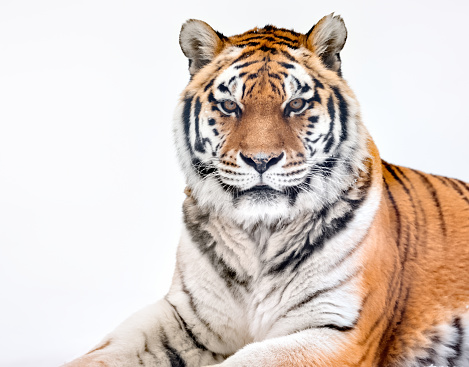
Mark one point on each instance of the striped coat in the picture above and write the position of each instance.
(300, 246)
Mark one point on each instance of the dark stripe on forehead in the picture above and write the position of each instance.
(288, 56)
(209, 84)
(305, 88)
(268, 49)
(246, 64)
(274, 88)
(286, 65)
(275, 76)
(269, 37)
(232, 79)
(222, 88)
(243, 56)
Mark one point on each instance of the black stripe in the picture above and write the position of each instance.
(326, 167)
(343, 109)
(305, 88)
(211, 98)
(274, 88)
(232, 79)
(209, 84)
(186, 329)
(456, 188)
(249, 44)
(173, 355)
(316, 97)
(319, 292)
(434, 195)
(298, 256)
(457, 346)
(397, 313)
(462, 183)
(317, 83)
(287, 39)
(194, 308)
(206, 245)
(288, 56)
(246, 64)
(421, 230)
(222, 88)
(243, 56)
(186, 118)
(390, 169)
(198, 145)
(286, 65)
(253, 75)
(264, 48)
(338, 328)
(275, 76)
(329, 136)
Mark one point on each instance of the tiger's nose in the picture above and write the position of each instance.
(261, 162)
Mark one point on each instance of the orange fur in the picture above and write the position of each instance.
(417, 248)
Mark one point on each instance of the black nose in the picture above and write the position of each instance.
(261, 164)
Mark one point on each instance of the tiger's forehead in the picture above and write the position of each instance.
(258, 64)
(262, 73)
(268, 38)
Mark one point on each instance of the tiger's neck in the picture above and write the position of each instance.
(289, 244)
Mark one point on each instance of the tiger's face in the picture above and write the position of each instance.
(267, 127)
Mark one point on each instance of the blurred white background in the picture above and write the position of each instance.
(90, 190)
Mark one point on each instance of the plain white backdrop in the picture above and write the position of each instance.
(90, 189)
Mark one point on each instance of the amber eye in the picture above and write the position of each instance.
(296, 104)
(229, 106)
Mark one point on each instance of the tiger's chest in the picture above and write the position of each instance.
(256, 298)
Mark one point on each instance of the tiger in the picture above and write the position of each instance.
(300, 246)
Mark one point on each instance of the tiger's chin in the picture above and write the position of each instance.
(258, 204)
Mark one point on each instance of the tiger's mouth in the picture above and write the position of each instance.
(259, 194)
(262, 193)
(259, 189)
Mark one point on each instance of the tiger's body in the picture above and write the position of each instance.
(300, 246)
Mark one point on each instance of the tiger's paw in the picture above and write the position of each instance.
(88, 361)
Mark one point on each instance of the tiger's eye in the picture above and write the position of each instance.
(297, 104)
(229, 106)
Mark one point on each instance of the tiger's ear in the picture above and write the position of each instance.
(200, 43)
(326, 39)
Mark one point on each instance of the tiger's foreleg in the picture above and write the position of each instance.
(308, 348)
(154, 336)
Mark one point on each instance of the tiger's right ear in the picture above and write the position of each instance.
(200, 43)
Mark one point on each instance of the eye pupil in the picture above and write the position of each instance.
(296, 104)
(229, 106)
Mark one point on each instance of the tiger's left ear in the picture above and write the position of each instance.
(326, 39)
(200, 43)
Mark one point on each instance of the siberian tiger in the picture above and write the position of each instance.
(300, 246)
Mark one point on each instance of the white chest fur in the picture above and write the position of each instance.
(234, 291)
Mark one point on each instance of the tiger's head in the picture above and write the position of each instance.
(267, 127)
